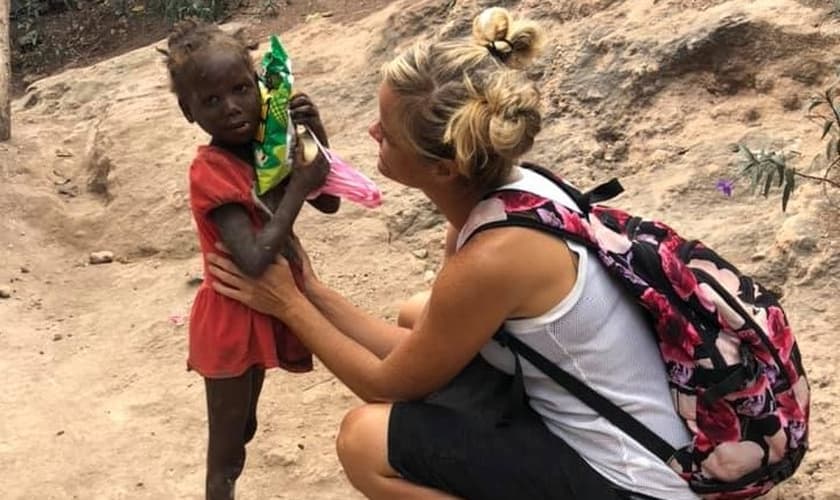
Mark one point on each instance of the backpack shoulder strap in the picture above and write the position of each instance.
(584, 200)
(573, 226)
(603, 406)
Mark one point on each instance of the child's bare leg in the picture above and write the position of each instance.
(231, 416)
(257, 378)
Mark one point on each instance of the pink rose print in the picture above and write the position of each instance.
(725, 277)
(608, 239)
(549, 218)
(719, 421)
(677, 336)
(519, 201)
(731, 461)
(618, 215)
(672, 242)
(789, 408)
(678, 274)
(573, 222)
(779, 332)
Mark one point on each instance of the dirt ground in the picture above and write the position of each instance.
(98, 404)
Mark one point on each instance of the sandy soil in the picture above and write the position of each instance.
(98, 403)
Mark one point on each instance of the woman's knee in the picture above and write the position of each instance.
(361, 443)
(411, 309)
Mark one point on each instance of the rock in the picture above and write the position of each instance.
(195, 279)
(751, 115)
(617, 152)
(68, 190)
(57, 337)
(791, 102)
(805, 245)
(421, 253)
(24, 270)
(104, 257)
(282, 457)
(5, 292)
(429, 276)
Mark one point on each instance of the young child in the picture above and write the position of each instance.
(230, 345)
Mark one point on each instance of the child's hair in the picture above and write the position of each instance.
(471, 100)
(191, 38)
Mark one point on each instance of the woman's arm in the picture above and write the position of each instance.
(473, 295)
(375, 334)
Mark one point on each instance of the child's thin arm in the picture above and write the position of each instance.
(254, 252)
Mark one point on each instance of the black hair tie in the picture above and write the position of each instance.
(498, 54)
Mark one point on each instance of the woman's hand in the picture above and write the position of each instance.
(305, 112)
(274, 293)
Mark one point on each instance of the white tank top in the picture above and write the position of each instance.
(599, 334)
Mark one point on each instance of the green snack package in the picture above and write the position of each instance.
(274, 137)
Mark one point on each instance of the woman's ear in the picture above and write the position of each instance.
(186, 111)
(446, 170)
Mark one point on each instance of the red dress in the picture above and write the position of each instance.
(227, 337)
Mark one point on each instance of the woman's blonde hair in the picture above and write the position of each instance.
(470, 100)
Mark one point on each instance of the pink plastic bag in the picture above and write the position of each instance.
(346, 182)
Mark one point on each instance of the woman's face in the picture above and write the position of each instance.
(397, 161)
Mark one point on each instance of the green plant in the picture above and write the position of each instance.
(769, 169)
(824, 110)
(766, 168)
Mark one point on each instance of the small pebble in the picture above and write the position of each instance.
(5, 292)
(429, 276)
(57, 337)
(195, 279)
(59, 433)
(422, 253)
(101, 257)
(24, 270)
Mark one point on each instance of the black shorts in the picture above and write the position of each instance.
(453, 442)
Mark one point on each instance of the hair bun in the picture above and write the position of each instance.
(515, 114)
(517, 41)
(491, 25)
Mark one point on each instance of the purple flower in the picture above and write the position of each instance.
(725, 186)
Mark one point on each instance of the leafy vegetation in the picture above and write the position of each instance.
(773, 170)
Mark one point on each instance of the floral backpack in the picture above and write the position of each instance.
(732, 363)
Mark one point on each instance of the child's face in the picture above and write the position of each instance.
(223, 98)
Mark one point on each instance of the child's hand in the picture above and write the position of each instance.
(309, 176)
(305, 112)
